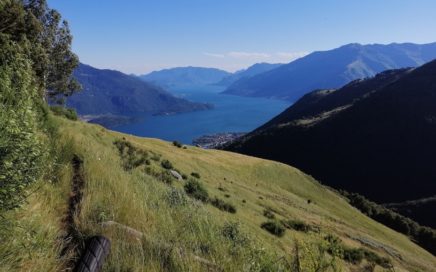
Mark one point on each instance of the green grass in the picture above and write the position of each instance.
(178, 228)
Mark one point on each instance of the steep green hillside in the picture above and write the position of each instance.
(374, 136)
(179, 233)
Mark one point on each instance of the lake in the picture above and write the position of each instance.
(230, 114)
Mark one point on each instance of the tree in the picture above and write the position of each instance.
(53, 62)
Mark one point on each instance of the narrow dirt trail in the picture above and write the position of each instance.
(72, 242)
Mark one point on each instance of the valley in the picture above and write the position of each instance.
(229, 113)
(269, 136)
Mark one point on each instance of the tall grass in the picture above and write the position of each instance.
(175, 232)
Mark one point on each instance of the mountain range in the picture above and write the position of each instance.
(109, 92)
(374, 136)
(332, 69)
(185, 76)
(251, 71)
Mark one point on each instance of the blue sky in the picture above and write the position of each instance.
(138, 36)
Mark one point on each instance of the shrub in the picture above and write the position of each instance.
(314, 257)
(175, 197)
(195, 175)
(177, 144)
(268, 214)
(274, 228)
(166, 177)
(68, 113)
(166, 164)
(184, 177)
(335, 244)
(296, 225)
(232, 232)
(222, 205)
(163, 176)
(194, 189)
(374, 258)
(131, 156)
(353, 255)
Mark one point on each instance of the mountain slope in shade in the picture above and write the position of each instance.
(251, 71)
(374, 136)
(332, 69)
(112, 92)
(185, 76)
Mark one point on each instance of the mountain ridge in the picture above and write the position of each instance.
(185, 76)
(360, 147)
(332, 69)
(250, 71)
(108, 91)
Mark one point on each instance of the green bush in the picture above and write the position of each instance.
(195, 175)
(296, 225)
(222, 205)
(166, 164)
(177, 144)
(21, 150)
(232, 232)
(176, 197)
(194, 189)
(166, 177)
(374, 258)
(274, 228)
(70, 114)
(131, 156)
(353, 255)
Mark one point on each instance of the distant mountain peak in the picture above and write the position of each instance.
(185, 76)
(332, 69)
(249, 72)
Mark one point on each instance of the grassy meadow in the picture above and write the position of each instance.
(181, 233)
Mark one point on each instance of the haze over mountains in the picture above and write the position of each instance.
(185, 76)
(112, 92)
(374, 136)
(251, 71)
(332, 69)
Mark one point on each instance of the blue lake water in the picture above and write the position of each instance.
(230, 114)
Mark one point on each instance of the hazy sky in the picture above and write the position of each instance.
(138, 36)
